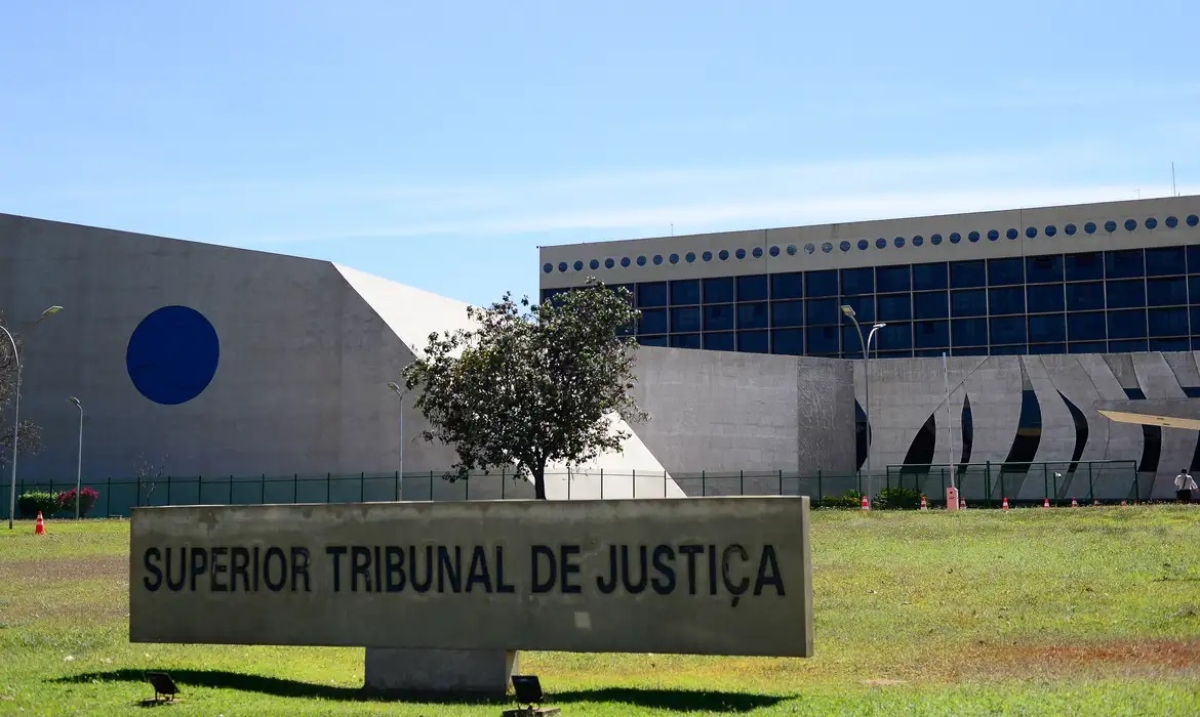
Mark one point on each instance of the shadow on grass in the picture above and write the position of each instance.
(673, 700)
(273, 686)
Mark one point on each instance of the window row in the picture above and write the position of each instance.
(1031, 232)
(823, 342)
(1041, 329)
(1132, 264)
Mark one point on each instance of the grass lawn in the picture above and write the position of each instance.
(1090, 611)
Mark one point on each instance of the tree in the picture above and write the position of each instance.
(531, 384)
(29, 434)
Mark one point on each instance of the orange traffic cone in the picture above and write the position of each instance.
(1074, 503)
(1095, 503)
(40, 529)
(962, 503)
(924, 504)
(866, 504)
(1045, 502)
(1004, 505)
(1123, 504)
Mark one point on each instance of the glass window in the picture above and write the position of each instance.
(821, 283)
(969, 332)
(787, 286)
(757, 342)
(1081, 267)
(895, 307)
(893, 278)
(1194, 288)
(1127, 324)
(927, 277)
(652, 340)
(1008, 330)
(1047, 348)
(1169, 345)
(1126, 294)
(685, 292)
(753, 315)
(895, 336)
(1002, 272)
(1127, 346)
(718, 291)
(1042, 269)
(931, 305)
(1045, 297)
(752, 288)
(858, 281)
(1086, 326)
(1087, 347)
(1123, 264)
(685, 320)
(685, 341)
(864, 307)
(1167, 292)
(787, 313)
(718, 317)
(971, 302)
(1086, 296)
(967, 274)
(852, 343)
(1195, 315)
(821, 340)
(822, 311)
(1009, 350)
(788, 341)
(1009, 300)
(1047, 328)
(653, 294)
(931, 334)
(653, 321)
(723, 341)
(1193, 259)
(1168, 322)
(1168, 261)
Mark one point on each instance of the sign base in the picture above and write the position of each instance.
(431, 673)
(952, 499)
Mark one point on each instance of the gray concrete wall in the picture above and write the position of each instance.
(748, 593)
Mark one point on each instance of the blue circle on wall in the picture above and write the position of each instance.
(172, 355)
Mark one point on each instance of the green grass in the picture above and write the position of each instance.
(1094, 611)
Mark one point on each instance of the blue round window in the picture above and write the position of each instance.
(172, 355)
(625, 262)
(1090, 227)
(881, 243)
(691, 257)
(757, 253)
(863, 244)
(918, 240)
(1051, 230)
(1110, 226)
(936, 239)
(791, 250)
(1151, 223)
(973, 237)
(723, 255)
(594, 264)
(562, 266)
(609, 263)
(774, 251)
(641, 260)
(1070, 230)
(993, 235)
(955, 237)
(740, 253)
(1193, 220)
(1130, 225)
(1172, 222)
(899, 242)
(827, 247)
(706, 256)
(547, 268)
(578, 265)
(1031, 232)
(844, 246)
(1012, 233)
(809, 248)
(657, 259)
(674, 258)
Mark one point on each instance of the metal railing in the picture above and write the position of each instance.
(985, 484)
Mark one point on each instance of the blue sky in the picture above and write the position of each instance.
(438, 144)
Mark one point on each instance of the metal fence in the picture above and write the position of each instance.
(984, 484)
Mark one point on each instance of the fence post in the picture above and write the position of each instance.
(396, 488)
(1002, 484)
(569, 482)
(362, 487)
(1091, 487)
(1045, 482)
(231, 489)
(328, 477)
(262, 490)
(820, 485)
(295, 487)
(987, 481)
(703, 484)
(780, 481)
(633, 486)
(107, 496)
(1137, 486)
(664, 482)
(431, 485)
(1090, 472)
(741, 482)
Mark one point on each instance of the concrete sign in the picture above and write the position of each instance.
(723, 576)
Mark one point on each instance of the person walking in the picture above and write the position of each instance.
(1184, 485)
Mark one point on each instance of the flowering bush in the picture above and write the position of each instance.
(66, 501)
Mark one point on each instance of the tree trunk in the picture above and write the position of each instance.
(539, 482)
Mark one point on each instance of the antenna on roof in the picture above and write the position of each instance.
(673, 224)
(1174, 191)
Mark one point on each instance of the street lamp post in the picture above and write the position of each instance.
(866, 349)
(79, 463)
(400, 392)
(12, 488)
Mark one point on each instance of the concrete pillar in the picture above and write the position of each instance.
(483, 673)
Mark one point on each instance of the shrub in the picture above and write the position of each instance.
(849, 499)
(32, 501)
(66, 501)
(898, 498)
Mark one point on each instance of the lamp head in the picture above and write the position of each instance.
(395, 387)
(76, 402)
(848, 310)
(50, 311)
(879, 325)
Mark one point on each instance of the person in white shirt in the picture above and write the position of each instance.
(1184, 485)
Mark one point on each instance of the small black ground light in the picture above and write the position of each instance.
(528, 694)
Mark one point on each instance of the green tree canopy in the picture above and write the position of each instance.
(530, 384)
